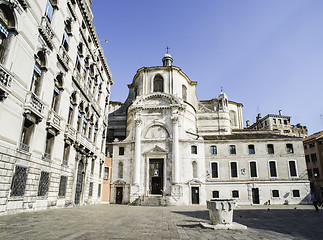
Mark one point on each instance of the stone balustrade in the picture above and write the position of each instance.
(5, 83)
(47, 32)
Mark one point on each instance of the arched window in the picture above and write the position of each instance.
(158, 83)
(184, 93)
(120, 170)
(40, 64)
(233, 118)
(194, 166)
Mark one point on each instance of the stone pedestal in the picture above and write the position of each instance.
(221, 215)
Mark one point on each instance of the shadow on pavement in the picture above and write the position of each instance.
(295, 222)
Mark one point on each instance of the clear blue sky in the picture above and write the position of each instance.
(265, 54)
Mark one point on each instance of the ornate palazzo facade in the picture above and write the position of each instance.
(54, 92)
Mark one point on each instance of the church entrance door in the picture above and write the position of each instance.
(255, 196)
(119, 195)
(195, 195)
(156, 171)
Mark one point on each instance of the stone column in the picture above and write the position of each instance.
(136, 162)
(175, 150)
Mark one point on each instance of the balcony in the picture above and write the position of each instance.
(47, 32)
(24, 147)
(70, 133)
(63, 58)
(33, 108)
(54, 122)
(47, 156)
(5, 83)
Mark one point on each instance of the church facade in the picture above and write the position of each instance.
(168, 145)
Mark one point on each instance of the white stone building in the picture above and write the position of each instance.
(54, 92)
(170, 148)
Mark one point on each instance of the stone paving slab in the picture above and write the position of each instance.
(182, 222)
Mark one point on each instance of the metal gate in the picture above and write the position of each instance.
(79, 182)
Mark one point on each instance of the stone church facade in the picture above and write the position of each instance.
(54, 94)
(169, 146)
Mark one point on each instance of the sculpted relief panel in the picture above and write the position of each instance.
(156, 132)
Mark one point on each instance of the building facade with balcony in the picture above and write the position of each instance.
(169, 147)
(313, 148)
(54, 92)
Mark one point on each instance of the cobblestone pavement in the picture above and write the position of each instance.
(130, 222)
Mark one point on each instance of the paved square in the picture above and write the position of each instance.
(182, 222)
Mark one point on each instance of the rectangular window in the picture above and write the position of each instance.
(307, 158)
(253, 169)
(232, 149)
(194, 149)
(296, 193)
(55, 100)
(292, 168)
(309, 173)
(272, 168)
(213, 150)
(99, 190)
(106, 173)
(312, 145)
(43, 184)
(215, 194)
(121, 151)
(19, 181)
(235, 194)
(289, 148)
(100, 170)
(49, 11)
(70, 114)
(66, 154)
(214, 167)
(35, 82)
(234, 169)
(316, 172)
(66, 41)
(62, 186)
(275, 193)
(270, 148)
(251, 149)
(49, 145)
(26, 134)
(285, 122)
(91, 189)
(92, 166)
(313, 156)
(84, 126)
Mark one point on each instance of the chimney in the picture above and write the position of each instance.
(247, 123)
(280, 112)
(258, 117)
